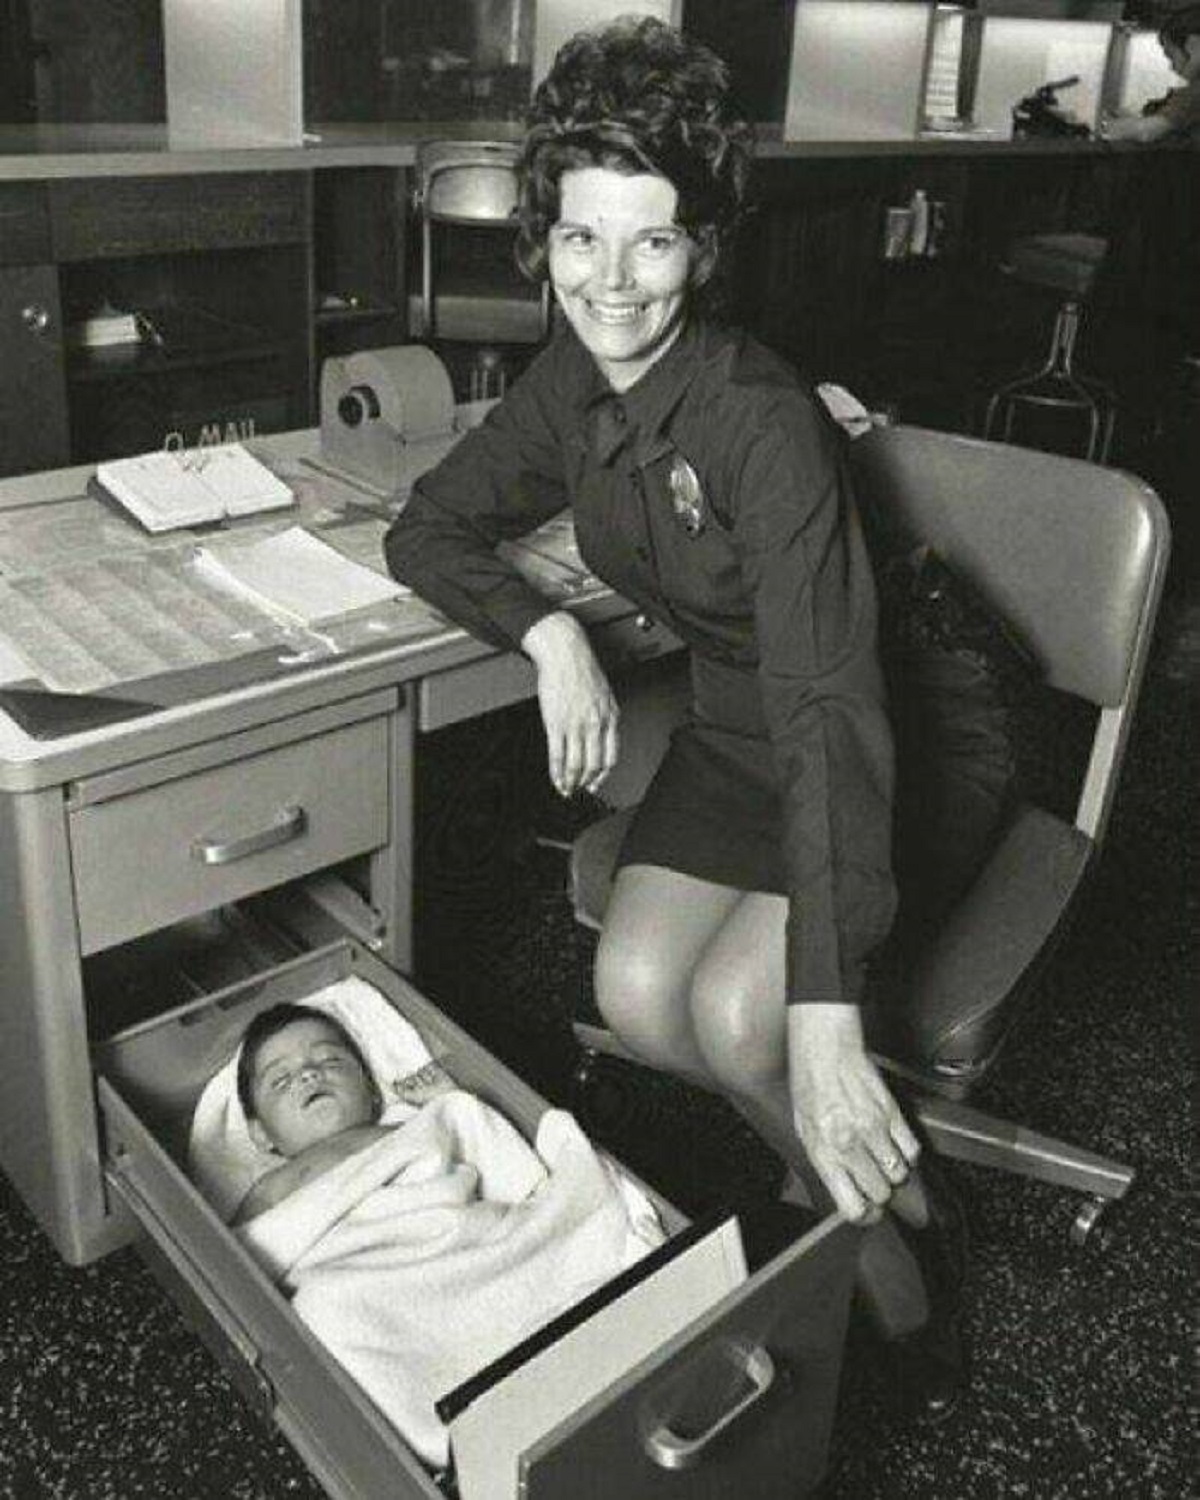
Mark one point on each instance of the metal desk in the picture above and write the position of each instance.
(98, 844)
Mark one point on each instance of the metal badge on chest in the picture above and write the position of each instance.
(687, 498)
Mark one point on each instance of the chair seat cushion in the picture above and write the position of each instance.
(963, 992)
(480, 315)
(1065, 262)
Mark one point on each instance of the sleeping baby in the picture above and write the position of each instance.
(309, 1098)
(423, 1237)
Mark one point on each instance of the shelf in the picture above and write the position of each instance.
(189, 338)
(332, 317)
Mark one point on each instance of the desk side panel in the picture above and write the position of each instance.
(48, 1140)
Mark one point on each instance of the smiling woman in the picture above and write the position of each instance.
(620, 267)
(709, 487)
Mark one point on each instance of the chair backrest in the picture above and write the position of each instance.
(473, 184)
(468, 182)
(1071, 554)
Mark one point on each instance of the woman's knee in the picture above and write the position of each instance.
(739, 1029)
(637, 992)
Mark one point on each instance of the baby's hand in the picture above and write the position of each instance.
(425, 1084)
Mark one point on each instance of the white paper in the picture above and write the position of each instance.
(296, 575)
(13, 666)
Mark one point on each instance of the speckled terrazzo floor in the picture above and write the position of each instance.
(1083, 1382)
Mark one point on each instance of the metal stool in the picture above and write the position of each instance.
(1067, 263)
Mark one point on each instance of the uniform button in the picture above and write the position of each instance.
(618, 414)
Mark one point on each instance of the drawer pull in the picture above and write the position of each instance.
(669, 1450)
(289, 825)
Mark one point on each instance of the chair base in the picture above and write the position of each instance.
(961, 1133)
(1057, 389)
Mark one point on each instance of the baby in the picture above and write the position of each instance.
(309, 1097)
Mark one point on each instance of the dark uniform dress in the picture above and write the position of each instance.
(714, 495)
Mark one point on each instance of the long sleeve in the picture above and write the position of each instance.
(504, 479)
(807, 571)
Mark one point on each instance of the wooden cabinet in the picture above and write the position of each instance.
(33, 409)
(33, 403)
(241, 283)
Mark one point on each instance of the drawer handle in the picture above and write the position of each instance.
(671, 1451)
(290, 824)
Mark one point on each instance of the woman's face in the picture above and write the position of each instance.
(620, 267)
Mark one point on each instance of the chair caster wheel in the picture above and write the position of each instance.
(1084, 1226)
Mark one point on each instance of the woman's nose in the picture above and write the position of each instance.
(615, 268)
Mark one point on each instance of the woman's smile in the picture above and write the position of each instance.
(621, 267)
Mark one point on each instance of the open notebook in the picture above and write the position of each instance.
(167, 490)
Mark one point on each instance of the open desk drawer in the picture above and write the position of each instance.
(771, 1350)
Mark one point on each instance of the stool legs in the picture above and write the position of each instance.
(1057, 386)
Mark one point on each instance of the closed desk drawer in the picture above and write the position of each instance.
(738, 1402)
(156, 855)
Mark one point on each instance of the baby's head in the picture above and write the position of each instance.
(301, 1078)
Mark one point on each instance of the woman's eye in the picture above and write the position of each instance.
(660, 244)
(280, 1082)
(577, 239)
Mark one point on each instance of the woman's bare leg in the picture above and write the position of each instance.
(738, 1013)
(657, 925)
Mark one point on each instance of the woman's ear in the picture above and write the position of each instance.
(704, 260)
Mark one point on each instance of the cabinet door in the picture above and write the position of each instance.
(33, 401)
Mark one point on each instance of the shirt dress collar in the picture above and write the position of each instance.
(641, 414)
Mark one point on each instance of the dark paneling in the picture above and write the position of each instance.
(97, 60)
(417, 59)
(24, 224)
(152, 215)
(929, 339)
(755, 39)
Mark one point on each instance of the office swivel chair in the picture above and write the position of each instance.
(469, 288)
(1069, 265)
(1073, 557)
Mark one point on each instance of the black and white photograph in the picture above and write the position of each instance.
(599, 657)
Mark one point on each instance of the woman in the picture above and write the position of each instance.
(708, 487)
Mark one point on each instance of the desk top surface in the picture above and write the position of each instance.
(238, 699)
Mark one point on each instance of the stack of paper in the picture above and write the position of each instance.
(106, 326)
(295, 576)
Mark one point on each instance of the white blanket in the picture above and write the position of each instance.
(439, 1247)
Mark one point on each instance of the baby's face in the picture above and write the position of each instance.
(307, 1086)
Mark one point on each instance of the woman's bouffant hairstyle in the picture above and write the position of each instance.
(635, 96)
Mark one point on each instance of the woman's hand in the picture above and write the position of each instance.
(579, 711)
(847, 1120)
